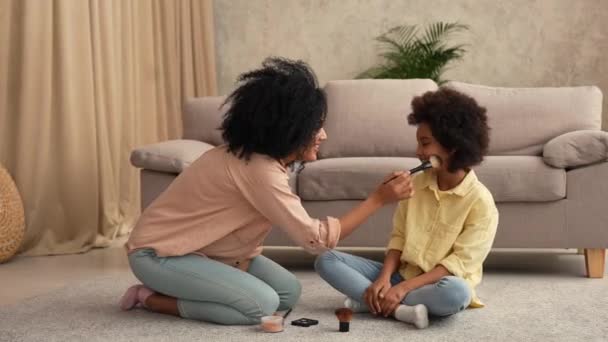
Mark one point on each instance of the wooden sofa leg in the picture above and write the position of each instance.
(594, 262)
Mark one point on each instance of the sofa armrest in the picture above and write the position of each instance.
(169, 156)
(576, 148)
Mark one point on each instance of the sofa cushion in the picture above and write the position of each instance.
(347, 178)
(369, 117)
(509, 178)
(171, 156)
(522, 179)
(524, 119)
(576, 148)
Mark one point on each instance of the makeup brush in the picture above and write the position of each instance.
(344, 316)
(433, 163)
(286, 314)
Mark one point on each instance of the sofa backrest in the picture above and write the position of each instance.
(522, 120)
(369, 117)
(202, 117)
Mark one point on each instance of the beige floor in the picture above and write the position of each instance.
(25, 277)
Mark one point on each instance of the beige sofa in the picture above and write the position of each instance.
(547, 165)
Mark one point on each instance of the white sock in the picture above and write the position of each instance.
(416, 315)
(355, 305)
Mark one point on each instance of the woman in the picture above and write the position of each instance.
(196, 248)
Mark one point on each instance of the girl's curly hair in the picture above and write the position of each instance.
(457, 122)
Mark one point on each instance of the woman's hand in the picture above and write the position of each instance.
(393, 298)
(395, 187)
(375, 292)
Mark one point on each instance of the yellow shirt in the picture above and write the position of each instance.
(453, 228)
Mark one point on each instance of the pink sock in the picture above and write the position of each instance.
(135, 294)
(143, 293)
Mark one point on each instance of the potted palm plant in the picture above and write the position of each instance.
(407, 54)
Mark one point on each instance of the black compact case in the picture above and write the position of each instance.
(304, 322)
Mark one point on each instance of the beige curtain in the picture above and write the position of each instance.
(82, 82)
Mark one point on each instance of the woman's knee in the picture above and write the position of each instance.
(290, 295)
(260, 304)
(242, 309)
(454, 294)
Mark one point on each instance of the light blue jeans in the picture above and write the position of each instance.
(212, 291)
(352, 275)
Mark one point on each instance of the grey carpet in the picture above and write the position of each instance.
(520, 307)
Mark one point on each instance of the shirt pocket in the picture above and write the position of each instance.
(442, 240)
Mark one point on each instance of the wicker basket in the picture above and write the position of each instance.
(12, 222)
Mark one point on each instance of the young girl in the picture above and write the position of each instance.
(441, 236)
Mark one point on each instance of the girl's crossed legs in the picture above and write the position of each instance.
(352, 275)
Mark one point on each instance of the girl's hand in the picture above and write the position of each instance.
(375, 292)
(392, 299)
(398, 186)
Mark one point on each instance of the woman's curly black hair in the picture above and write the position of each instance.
(457, 122)
(276, 110)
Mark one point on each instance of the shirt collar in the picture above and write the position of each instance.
(461, 189)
